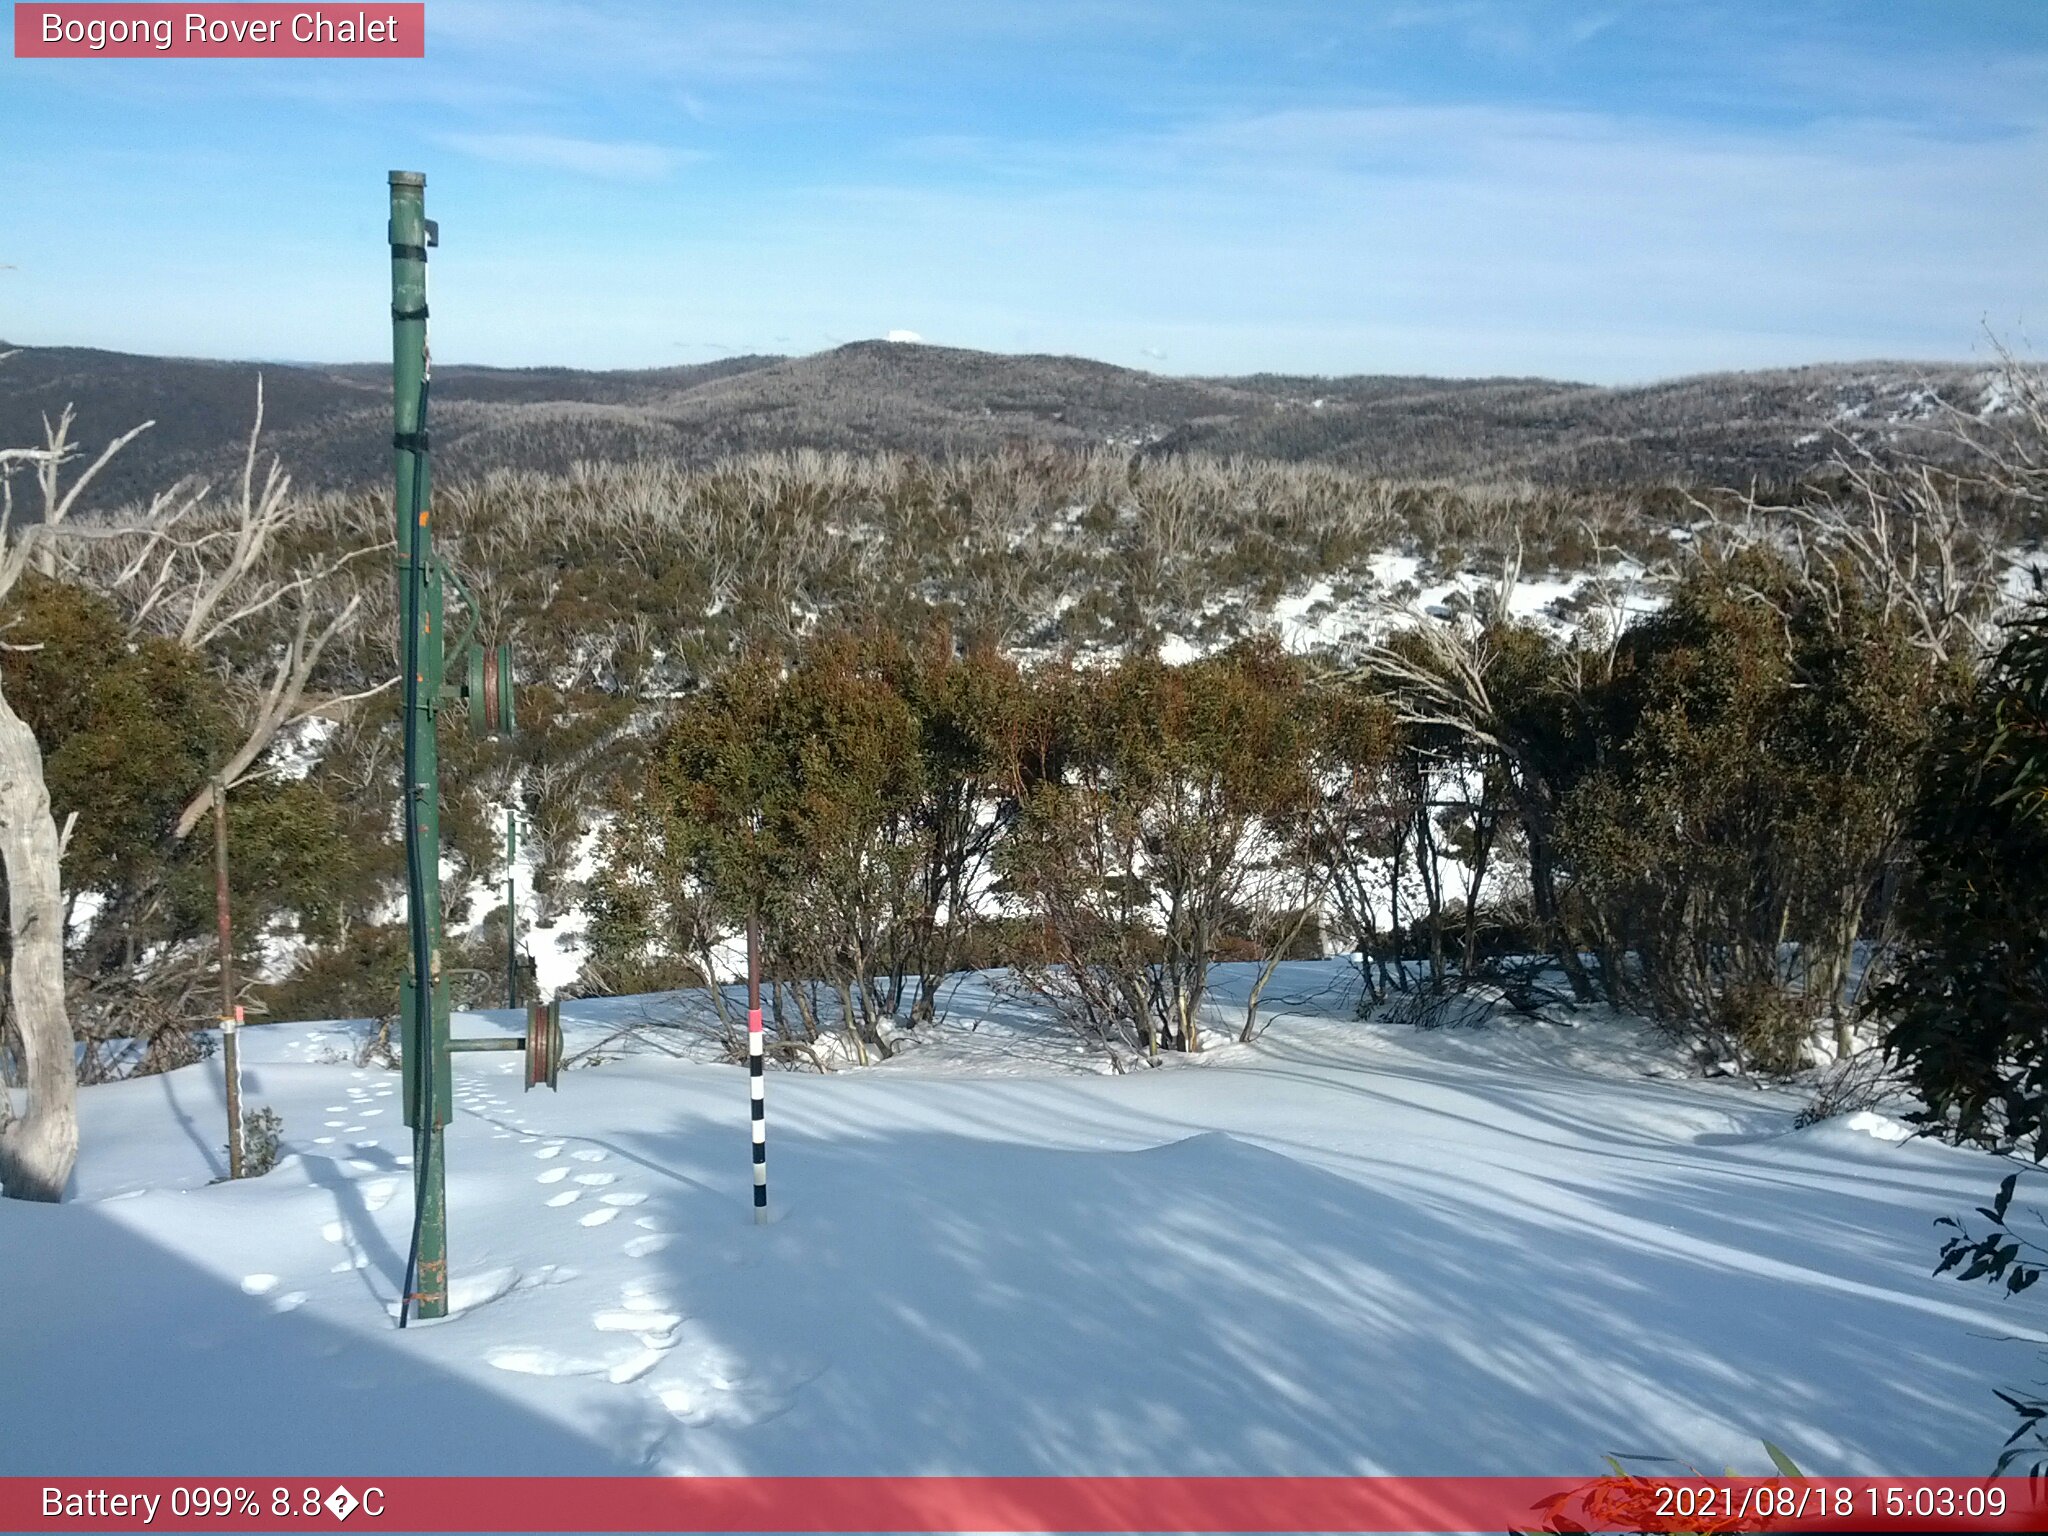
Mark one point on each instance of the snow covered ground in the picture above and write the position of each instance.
(1348, 1248)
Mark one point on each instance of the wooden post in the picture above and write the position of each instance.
(230, 1015)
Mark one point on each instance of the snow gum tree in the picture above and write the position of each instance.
(847, 797)
(131, 728)
(1755, 746)
(1148, 814)
(1348, 832)
(1968, 1001)
(39, 1144)
(172, 648)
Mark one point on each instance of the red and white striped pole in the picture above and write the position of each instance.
(756, 1083)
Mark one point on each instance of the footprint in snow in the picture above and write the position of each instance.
(378, 1195)
(713, 1389)
(599, 1217)
(290, 1301)
(636, 1365)
(552, 1176)
(323, 1141)
(718, 1401)
(626, 1320)
(566, 1197)
(553, 1151)
(624, 1197)
(685, 1403)
(468, 1291)
(334, 1232)
(588, 1155)
(649, 1242)
(258, 1285)
(597, 1178)
(530, 1361)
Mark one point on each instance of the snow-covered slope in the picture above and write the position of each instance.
(1347, 1248)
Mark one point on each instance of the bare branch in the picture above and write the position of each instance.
(56, 510)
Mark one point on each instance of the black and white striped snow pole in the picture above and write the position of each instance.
(757, 1087)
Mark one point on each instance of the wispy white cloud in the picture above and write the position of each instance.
(1573, 187)
(1508, 29)
(1576, 242)
(609, 160)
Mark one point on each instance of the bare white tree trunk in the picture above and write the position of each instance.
(38, 1147)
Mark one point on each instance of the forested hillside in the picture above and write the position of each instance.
(330, 423)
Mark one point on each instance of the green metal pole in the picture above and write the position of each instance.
(429, 1101)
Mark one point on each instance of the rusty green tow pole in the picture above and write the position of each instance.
(425, 661)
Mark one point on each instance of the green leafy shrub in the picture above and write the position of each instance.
(262, 1140)
(1967, 1004)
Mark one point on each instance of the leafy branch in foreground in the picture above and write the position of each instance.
(2003, 1255)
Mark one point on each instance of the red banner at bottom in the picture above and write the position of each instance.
(1066, 1504)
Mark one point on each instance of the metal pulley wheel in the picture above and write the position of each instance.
(488, 687)
(543, 1043)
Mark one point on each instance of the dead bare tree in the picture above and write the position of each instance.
(1439, 674)
(199, 573)
(1901, 536)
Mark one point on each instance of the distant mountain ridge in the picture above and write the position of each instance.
(330, 424)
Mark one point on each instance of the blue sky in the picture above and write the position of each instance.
(1596, 191)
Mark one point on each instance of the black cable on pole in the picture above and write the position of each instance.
(415, 866)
